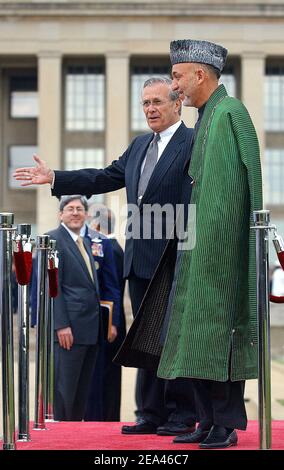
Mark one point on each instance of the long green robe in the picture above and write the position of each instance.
(212, 331)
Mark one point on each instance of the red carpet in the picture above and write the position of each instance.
(107, 436)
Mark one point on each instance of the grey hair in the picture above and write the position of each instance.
(173, 95)
(212, 70)
(64, 200)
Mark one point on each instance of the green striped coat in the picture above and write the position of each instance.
(213, 326)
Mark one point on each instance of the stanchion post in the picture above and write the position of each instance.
(6, 236)
(49, 396)
(23, 236)
(42, 246)
(262, 227)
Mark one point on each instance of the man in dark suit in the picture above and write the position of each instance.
(103, 385)
(102, 220)
(76, 313)
(153, 171)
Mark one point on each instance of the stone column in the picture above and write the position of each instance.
(49, 133)
(252, 86)
(117, 123)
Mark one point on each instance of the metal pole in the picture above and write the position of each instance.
(6, 233)
(261, 224)
(42, 248)
(49, 403)
(49, 397)
(23, 236)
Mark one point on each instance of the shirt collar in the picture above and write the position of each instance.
(84, 232)
(72, 234)
(201, 111)
(170, 130)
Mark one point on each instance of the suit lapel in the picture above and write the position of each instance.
(76, 252)
(166, 159)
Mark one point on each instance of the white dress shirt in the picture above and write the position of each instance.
(72, 234)
(165, 137)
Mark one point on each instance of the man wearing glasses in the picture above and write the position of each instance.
(153, 169)
(76, 312)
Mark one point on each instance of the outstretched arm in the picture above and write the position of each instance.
(86, 181)
(39, 174)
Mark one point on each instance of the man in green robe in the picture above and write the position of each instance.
(212, 332)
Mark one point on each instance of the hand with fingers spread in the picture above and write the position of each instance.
(65, 337)
(39, 174)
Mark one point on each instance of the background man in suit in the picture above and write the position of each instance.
(98, 408)
(153, 170)
(102, 220)
(76, 313)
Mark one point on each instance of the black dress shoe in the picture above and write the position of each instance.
(141, 427)
(197, 436)
(174, 429)
(219, 437)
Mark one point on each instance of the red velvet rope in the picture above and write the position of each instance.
(23, 266)
(281, 258)
(277, 299)
(53, 282)
(274, 298)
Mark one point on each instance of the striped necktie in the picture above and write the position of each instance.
(85, 255)
(150, 162)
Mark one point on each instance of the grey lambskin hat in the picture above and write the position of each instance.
(202, 52)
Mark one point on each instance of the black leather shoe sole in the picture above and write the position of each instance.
(231, 441)
(193, 438)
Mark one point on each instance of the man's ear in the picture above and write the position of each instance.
(200, 74)
(178, 104)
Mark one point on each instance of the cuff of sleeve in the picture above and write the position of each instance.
(53, 181)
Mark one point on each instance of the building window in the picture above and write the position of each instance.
(24, 97)
(84, 158)
(139, 75)
(274, 176)
(229, 81)
(20, 156)
(228, 78)
(85, 98)
(75, 159)
(274, 98)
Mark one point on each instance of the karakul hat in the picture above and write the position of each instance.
(202, 52)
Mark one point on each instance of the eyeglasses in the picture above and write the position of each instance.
(71, 210)
(155, 103)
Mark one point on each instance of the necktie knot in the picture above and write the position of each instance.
(156, 139)
(80, 240)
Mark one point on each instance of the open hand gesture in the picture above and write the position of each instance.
(39, 174)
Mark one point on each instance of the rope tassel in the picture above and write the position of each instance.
(23, 263)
